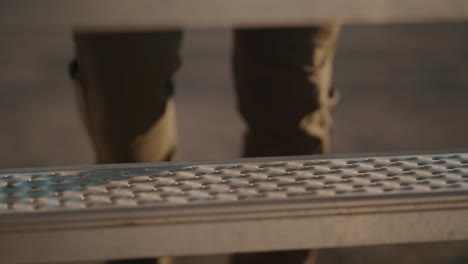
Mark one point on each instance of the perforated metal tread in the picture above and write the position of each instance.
(160, 209)
(239, 181)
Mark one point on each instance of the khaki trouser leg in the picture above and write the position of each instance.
(283, 80)
(125, 87)
(125, 93)
(319, 122)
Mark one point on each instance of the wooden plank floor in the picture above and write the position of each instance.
(404, 87)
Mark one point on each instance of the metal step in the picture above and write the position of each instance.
(195, 208)
(67, 15)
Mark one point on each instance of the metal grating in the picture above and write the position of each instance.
(224, 183)
(179, 209)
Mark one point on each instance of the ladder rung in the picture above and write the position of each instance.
(193, 208)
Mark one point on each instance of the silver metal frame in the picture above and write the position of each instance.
(327, 201)
(47, 15)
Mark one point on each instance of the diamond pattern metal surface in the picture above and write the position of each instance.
(225, 183)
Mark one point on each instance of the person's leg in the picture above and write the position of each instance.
(124, 85)
(283, 82)
(124, 82)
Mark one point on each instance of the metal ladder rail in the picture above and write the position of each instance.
(65, 15)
